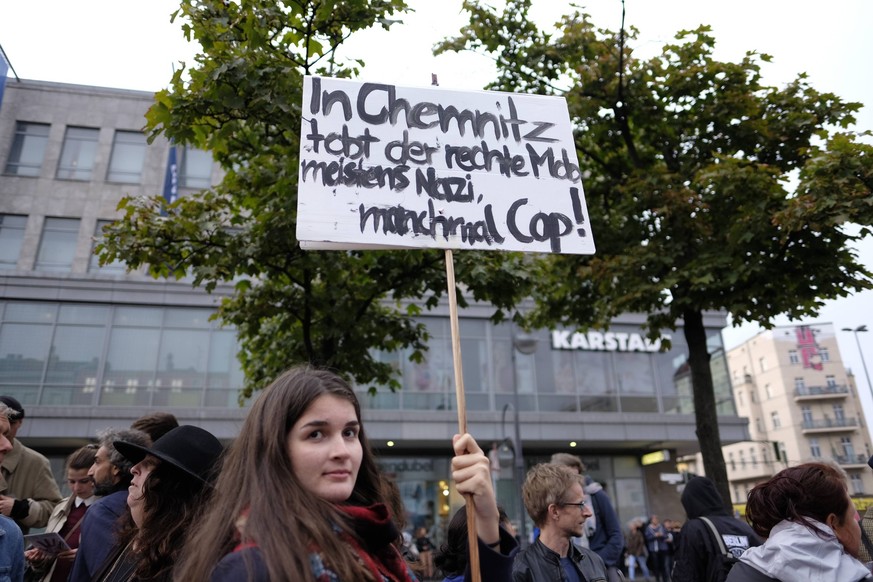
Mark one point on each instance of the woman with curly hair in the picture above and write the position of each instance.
(810, 526)
(171, 479)
(300, 496)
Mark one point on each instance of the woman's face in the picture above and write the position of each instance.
(325, 449)
(81, 485)
(135, 500)
(847, 529)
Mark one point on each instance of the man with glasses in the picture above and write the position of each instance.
(554, 499)
(602, 530)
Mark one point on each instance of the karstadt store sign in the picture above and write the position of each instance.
(599, 341)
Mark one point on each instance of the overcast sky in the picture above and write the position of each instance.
(132, 44)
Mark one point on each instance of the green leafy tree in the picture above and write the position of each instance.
(687, 165)
(241, 100)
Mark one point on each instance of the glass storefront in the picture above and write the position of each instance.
(85, 355)
(63, 354)
(625, 375)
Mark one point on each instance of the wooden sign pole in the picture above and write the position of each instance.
(462, 407)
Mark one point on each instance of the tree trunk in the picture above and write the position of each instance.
(704, 405)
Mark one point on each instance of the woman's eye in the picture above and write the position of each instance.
(316, 434)
(351, 433)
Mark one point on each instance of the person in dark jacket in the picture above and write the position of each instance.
(451, 557)
(111, 474)
(698, 555)
(554, 499)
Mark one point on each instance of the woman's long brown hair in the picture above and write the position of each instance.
(284, 520)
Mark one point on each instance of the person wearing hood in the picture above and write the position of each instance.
(809, 521)
(698, 555)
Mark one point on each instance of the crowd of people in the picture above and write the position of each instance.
(298, 495)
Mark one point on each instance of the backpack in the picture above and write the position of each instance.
(721, 564)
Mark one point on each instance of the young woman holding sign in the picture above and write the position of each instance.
(300, 496)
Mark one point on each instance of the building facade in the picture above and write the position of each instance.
(84, 346)
(802, 405)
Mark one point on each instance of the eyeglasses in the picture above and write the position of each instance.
(580, 505)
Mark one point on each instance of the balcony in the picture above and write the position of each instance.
(820, 392)
(829, 425)
(852, 461)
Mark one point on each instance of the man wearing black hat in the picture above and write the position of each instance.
(171, 479)
(28, 490)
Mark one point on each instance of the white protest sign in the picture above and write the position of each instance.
(383, 166)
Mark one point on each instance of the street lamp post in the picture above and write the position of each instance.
(861, 328)
(526, 344)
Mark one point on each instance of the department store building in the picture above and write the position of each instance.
(85, 346)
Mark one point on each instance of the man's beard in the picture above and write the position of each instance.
(104, 488)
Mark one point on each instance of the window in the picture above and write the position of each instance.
(82, 354)
(58, 245)
(774, 418)
(732, 461)
(767, 391)
(799, 384)
(753, 456)
(759, 424)
(94, 265)
(806, 411)
(195, 171)
(814, 449)
(752, 396)
(793, 357)
(848, 448)
(857, 484)
(28, 149)
(78, 153)
(839, 413)
(825, 355)
(762, 363)
(739, 397)
(742, 460)
(11, 235)
(128, 156)
(831, 381)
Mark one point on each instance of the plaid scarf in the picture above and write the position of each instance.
(374, 544)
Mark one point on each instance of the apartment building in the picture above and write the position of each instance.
(802, 405)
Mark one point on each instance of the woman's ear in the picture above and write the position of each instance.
(832, 520)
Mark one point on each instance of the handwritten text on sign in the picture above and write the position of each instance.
(386, 166)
